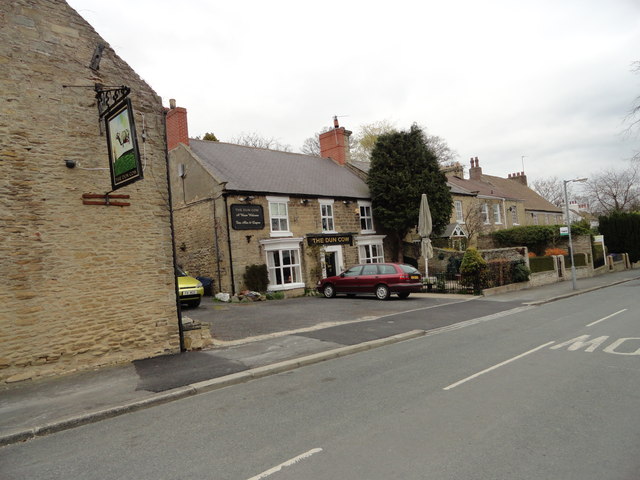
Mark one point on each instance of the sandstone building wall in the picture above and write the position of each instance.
(83, 285)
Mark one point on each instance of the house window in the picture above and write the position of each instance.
(279, 215)
(514, 215)
(283, 263)
(459, 214)
(497, 218)
(284, 267)
(535, 218)
(326, 214)
(370, 248)
(371, 254)
(485, 213)
(366, 217)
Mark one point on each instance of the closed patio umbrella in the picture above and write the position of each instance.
(424, 230)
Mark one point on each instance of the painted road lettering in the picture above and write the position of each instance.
(591, 345)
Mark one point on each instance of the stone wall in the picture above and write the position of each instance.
(83, 285)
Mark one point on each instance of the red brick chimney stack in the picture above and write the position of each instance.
(475, 172)
(334, 144)
(177, 128)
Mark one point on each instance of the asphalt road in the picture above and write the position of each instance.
(549, 392)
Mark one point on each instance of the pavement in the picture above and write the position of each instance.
(250, 341)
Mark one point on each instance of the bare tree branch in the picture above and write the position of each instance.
(615, 190)
(552, 189)
(253, 139)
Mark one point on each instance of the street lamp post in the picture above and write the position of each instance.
(566, 204)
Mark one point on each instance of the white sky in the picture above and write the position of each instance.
(549, 80)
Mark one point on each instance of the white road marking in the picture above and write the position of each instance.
(288, 463)
(453, 385)
(607, 317)
(474, 321)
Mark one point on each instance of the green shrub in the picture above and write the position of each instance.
(541, 264)
(256, 278)
(474, 270)
(275, 295)
(580, 260)
(520, 272)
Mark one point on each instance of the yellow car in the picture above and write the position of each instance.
(191, 290)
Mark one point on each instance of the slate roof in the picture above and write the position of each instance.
(249, 169)
(513, 188)
(480, 188)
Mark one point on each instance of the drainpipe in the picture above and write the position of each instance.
(216, 242)
(173, 243)
(226, 211)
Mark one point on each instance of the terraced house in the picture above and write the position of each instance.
(303, 216)
(485, 203)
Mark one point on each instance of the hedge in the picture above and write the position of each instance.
(541, 264)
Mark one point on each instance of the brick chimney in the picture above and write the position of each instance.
(519, 177)
(475, 172)
(334, 144)
(177, 129)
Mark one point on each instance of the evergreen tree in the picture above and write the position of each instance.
(403, 167)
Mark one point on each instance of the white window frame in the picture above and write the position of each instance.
(497, 215)
(326, 206)
(485, 213)
(365, 245)
(277, 247)
(459, 211)
(368, 219)
(279, 217)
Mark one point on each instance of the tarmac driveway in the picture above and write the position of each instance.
(233, 322)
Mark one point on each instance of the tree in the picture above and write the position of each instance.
(311, 145)
(403, 167)
(209, 137)
(254, 140)
(473, 219)
(612, 191)
(552, 189)
(364, 140)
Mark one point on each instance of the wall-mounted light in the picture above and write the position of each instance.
(346, 202)
(70, 163)
(247, 199)
(304, 201)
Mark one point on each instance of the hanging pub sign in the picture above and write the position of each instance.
(124, 156)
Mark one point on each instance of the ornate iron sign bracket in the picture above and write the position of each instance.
(109, 97)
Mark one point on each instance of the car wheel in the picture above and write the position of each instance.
(328, 291)
(403, 295)
(382, 292)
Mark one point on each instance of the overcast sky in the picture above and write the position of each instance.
(549, 80)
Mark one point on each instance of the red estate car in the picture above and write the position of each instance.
(380, 279)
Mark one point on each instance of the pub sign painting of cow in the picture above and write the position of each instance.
(124, 157)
